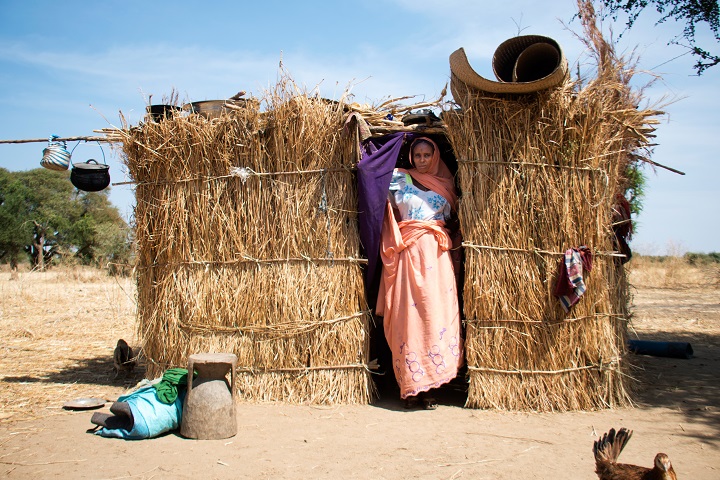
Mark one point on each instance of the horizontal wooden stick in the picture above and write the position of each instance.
(261, 370)
(59, 139)
(243, 174)
(534, 164)
(534, 250)
(409, 128)
(478, 322)
(247, 259)
(602, 366)
(651, 162)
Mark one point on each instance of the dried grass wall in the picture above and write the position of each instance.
(248, 244)
(538, 175)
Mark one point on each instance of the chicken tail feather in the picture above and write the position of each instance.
(608, 447)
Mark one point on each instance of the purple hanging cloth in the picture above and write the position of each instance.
(374, 172)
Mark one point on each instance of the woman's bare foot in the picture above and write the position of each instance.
(412, 402)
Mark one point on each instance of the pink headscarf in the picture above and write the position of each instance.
(438, 177)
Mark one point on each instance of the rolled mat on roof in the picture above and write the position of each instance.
(523, 64)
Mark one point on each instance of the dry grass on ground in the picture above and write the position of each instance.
(675, 301)
(58, 330)
(672, 272)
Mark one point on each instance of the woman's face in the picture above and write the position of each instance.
(422, 156)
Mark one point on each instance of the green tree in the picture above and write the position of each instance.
(42, 214)
(15, 232)
(99, 233)
(48, 207)
(694, 13)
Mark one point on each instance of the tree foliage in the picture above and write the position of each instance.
(15, 233)
(635, 191)
(44, 216)
(693, 13)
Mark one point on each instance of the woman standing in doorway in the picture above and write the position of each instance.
(418, 295)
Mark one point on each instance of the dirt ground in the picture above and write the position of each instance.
(58, 330)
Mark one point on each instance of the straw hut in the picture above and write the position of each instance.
(247, 243)
(248, 239)
(541, 171)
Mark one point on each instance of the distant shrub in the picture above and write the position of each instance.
(650, 258)
(702, 258)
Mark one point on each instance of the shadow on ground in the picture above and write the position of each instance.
(691, 386)
(92, 371)
(452, 394)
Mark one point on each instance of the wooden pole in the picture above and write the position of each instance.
(647, 160)
(410, 128)
(59, 139)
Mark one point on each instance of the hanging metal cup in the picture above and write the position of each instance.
(56, 155)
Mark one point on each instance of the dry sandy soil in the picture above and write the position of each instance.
(58, 330)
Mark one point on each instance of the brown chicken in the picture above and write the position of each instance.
(607, 450)
(123, 360)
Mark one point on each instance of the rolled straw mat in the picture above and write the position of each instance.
(524, 64)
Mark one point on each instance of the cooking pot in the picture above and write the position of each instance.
(215, 108)
(158, 113)
(90, 176)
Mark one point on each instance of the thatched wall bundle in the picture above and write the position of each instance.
(247, 243)
(539, 174)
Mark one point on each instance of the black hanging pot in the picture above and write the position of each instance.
(90, 176)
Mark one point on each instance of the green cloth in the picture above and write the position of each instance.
(167, 388)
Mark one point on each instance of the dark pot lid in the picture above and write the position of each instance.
(91, 165)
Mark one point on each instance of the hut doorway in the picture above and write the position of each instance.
(454, 392)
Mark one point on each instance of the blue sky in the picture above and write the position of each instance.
(69, 68)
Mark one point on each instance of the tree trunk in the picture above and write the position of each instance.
(13, 268)
(38, 248)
